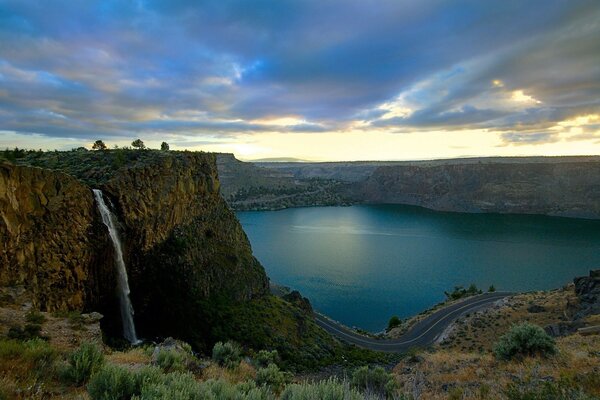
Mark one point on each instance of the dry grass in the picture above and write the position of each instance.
(478, 332)
(131, 358)
(241, 373)
(441, 373)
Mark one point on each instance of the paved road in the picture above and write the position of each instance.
(423, 333)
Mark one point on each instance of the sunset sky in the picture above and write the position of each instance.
(315, 80)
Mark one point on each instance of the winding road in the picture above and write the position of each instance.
(423, 333)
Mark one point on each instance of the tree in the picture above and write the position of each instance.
(394, 322)
(138, 144)
(164, 146)
(98, 145)
(492, 288)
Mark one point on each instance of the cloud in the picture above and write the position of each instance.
(112, 68)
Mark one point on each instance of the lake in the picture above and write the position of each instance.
(362, 264)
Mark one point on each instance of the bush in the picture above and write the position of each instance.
(394, 322)
(524, 340)
(222, 390)
(171, 360)
(330, 389)
(35, 317)
(112, 383)
(492, 289)
(227, 354)
(460, 292)
(83, 362)
(30, 331)
(41, 355)
(264, 357)
(374, 381)
(272, 377)
(561, 389)
(174, 386)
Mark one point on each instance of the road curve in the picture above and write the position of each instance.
(423, 333)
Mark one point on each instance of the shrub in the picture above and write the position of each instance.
(524, 340)
(272, 377)
(30, 331)
(492, 289)
(227, 354)
(41, 355)
(11, 349)
(330, 389)
(112, 383)
(460, 292)
(264, 357)
(374, 381)
(558, 390)
(171, 360)
(174, 386)
(35, 317)
(222, 390)
(394, 322)
(83, 362)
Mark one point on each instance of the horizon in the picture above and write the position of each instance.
(341, 81)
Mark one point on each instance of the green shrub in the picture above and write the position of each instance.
(11, 349)
(264, 357)
(374, 381)
(35, 317)
(222, 390)
(330, 389)
(112, 383)
(174, 386)
(227, 354)
(492, 289)
(394, 322)
(272, 377)
(30, 331)
(171, 360)
(460, 292)
(83, 362)
(42, 355)
(563, 389)
(524, 340)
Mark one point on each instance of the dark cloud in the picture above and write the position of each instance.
(79, 69)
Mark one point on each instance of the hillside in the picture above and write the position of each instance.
(560, 186)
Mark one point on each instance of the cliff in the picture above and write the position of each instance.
(566, 188)
(184, 249)
(50, 237)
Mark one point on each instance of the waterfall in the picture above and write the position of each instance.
(122, 282)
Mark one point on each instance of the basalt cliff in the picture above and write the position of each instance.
(183, 247)
(558, 187)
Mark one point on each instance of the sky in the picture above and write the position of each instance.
(311, 79)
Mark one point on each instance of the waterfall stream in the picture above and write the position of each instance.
(122, 282)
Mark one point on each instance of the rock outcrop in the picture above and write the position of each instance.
(587, 289)
(570, 189)
(184, 248)
(49, 237)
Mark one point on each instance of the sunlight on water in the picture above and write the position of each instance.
(362, 264)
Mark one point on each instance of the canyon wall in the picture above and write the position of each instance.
(570, 189)
(50, 238)
(184, 248)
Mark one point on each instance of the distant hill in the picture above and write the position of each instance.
(278, 159)
(564, 186)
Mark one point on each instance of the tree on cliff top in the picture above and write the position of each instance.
(98, 145)
(164, 146)
(138, 144)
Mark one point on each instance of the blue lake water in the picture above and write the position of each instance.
(362, 264)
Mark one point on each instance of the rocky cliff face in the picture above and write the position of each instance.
(563, 189)
(50, 238)
(183, 247)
